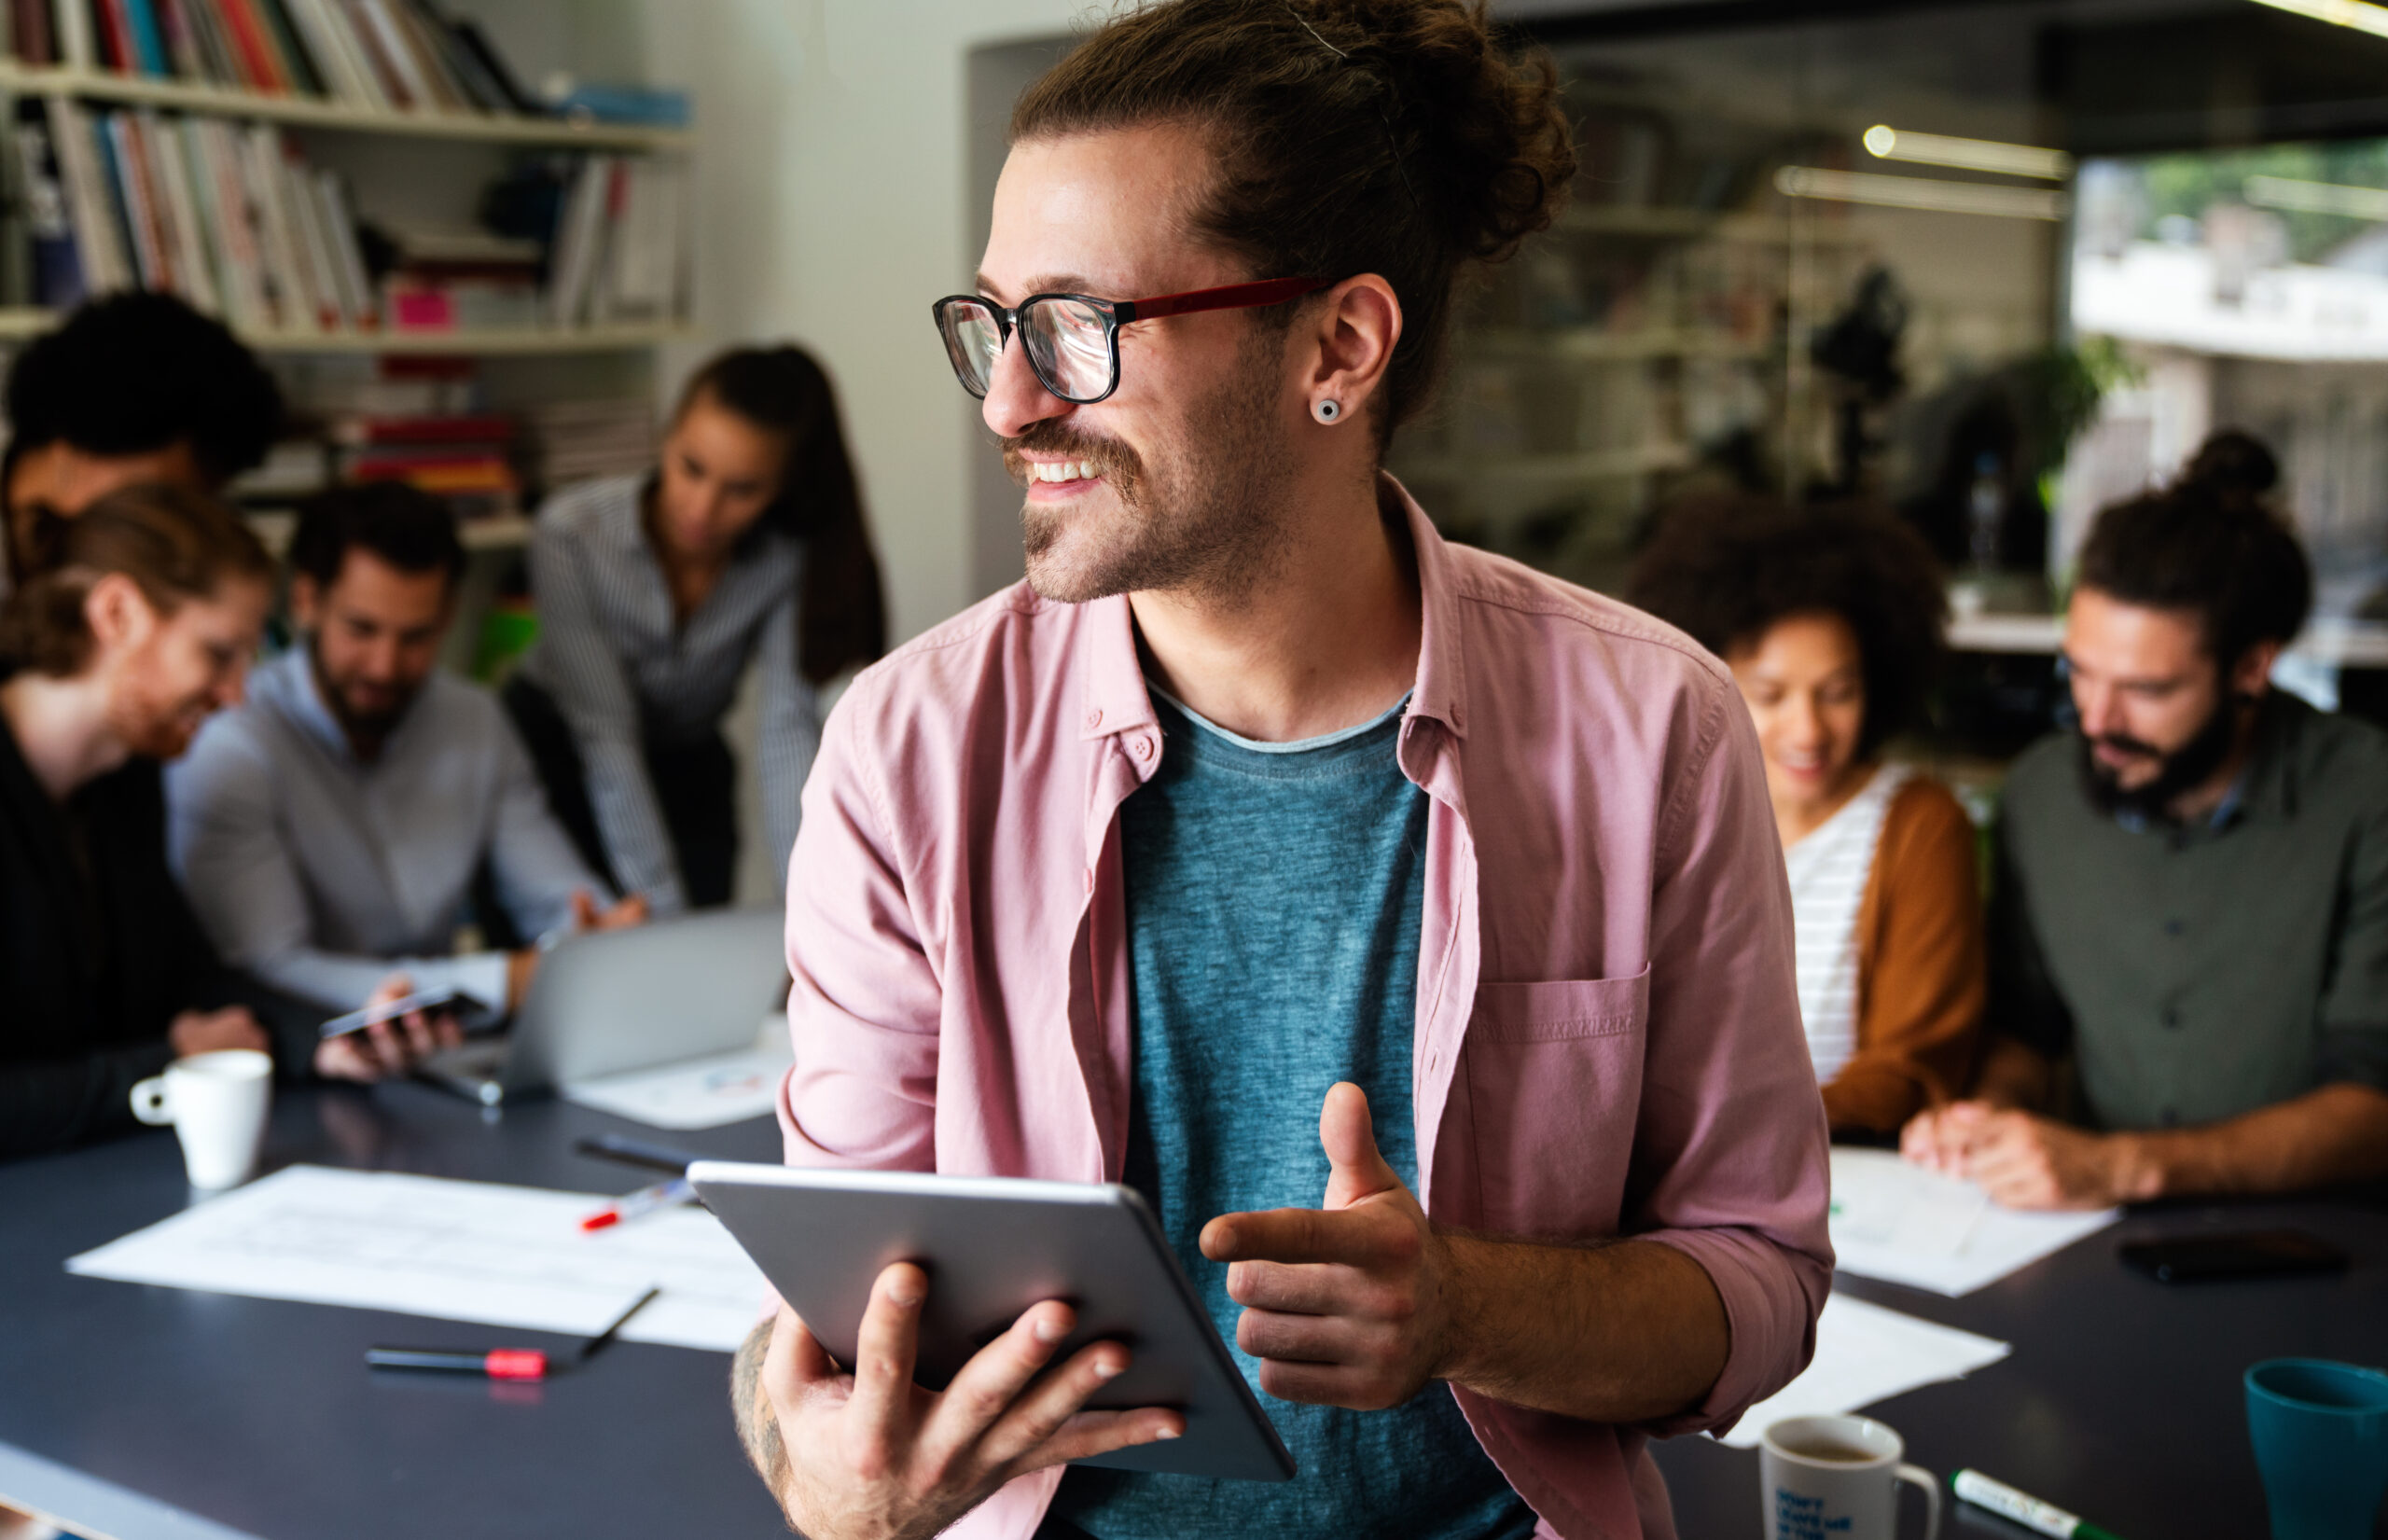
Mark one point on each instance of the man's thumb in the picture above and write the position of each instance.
(1354, 1169)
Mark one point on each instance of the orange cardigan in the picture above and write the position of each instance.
(1922, 970)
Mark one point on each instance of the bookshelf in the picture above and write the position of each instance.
(2329, 641)
(17, 324)
(316, 113)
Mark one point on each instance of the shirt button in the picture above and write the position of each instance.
(1089, 878)
(2171, 1016)
(1093, 719)
(2173, 927)
(2170, 1117)
(1143, 748)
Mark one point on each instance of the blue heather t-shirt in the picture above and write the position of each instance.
(1274, 897)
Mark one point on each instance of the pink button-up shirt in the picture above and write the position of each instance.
(1608, 1038)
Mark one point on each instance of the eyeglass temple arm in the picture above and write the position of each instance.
(1269, 291)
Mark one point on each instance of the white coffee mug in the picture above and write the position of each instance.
(1837, 1479)
(217, 1103)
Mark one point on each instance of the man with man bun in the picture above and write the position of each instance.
(1409, 927)
(2189, 935)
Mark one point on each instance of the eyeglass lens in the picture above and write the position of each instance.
(1070, 346)
(1066, 340)
(974, 341)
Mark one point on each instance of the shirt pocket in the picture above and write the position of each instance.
(1552, 1072)
(1561, 1010)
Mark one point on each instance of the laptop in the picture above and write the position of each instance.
(605, 1002)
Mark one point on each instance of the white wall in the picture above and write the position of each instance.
(831, 208)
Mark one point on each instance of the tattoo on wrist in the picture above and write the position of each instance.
(757, 1429)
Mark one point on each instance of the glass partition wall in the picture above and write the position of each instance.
(1991, 265)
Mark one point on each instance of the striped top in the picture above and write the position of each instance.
(620, 669)
(1829, 868)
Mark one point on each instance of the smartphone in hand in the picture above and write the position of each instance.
(451, 1001)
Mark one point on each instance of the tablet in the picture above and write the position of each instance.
(992, 1246)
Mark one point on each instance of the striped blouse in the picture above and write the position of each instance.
(1829, 868)
(620, 669)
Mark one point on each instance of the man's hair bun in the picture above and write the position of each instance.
(1398, 137)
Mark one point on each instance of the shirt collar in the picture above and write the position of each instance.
(1114, 698)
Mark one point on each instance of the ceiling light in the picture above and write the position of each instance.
(1886, 143)
(1919, 192)
(2283, 192)
(2358, 14)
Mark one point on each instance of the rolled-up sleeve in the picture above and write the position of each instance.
(865, 1003)
(1731, 1163)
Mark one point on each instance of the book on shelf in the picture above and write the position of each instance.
(573, 441)
(51, 276)
(377, 55)
(230, 218)
(621, 243)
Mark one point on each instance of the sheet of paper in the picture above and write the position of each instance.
(1864, 1354)
(1904, 1225)
(696, 1093)
(462, 1251)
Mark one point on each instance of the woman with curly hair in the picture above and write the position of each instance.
(1831, 618)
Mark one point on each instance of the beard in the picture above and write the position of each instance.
(1204, 517)
(365, 724)
(155, 723)
(2183, 769)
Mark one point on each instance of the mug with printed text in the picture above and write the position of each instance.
(1837, 1479)
(216, 1103)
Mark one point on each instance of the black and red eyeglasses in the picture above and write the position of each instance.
(1072, 340)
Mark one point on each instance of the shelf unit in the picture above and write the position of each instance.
(315, 113)
(2337, 642)
(17, 325)
(1595, 344)
(1582, 465)
(493, 542)
(505, 532)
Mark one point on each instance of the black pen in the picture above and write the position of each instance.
(500, 1363)
(638, 1152)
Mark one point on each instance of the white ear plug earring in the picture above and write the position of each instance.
(1326, 409)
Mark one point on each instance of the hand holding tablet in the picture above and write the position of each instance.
(873, 1452)
(946, 1334)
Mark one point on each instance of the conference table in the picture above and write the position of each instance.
(133, 1412)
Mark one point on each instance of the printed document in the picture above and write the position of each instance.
(1864, 1354)
(462, 1251)
(1896, 1221)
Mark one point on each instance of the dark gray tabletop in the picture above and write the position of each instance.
(2121, 1401)
(159, 1414)
(147, 1413)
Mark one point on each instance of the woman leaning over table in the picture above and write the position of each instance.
(1831, 621)
(133, 623)
(747, 543)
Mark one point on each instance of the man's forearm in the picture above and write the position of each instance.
(1618, 1333)
(758, 1430)
(2333, 1135)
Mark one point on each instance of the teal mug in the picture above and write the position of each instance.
(2321, 1435)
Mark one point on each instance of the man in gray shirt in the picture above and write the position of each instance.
(2189, 937)
(331, 827)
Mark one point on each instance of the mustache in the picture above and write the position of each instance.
(2125, 744)
(1108, 457)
